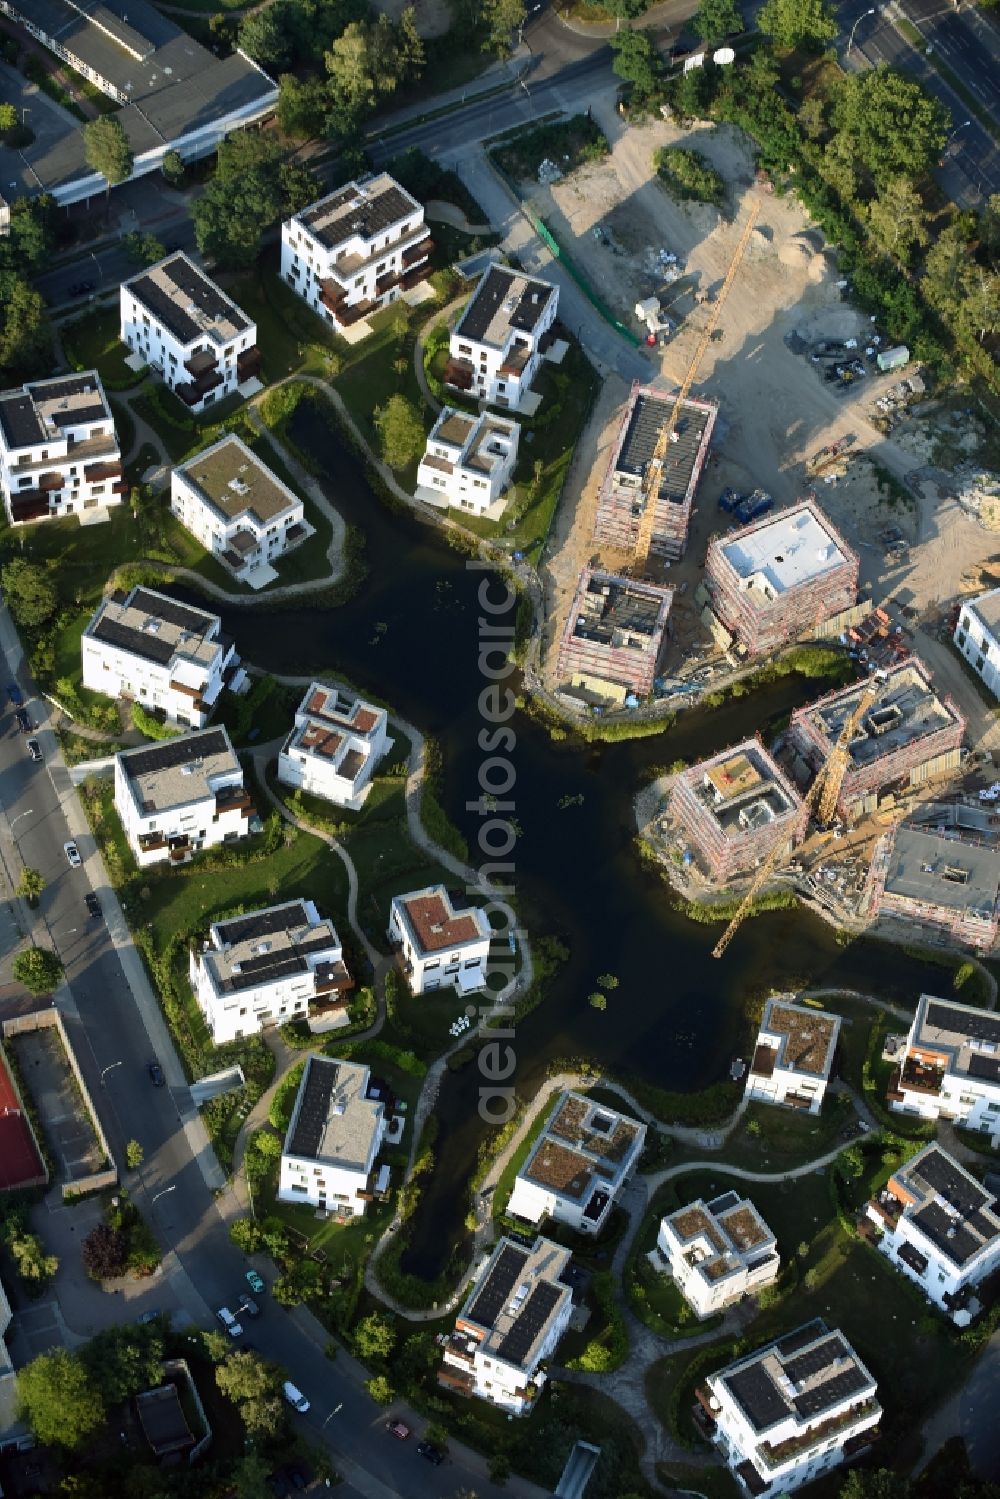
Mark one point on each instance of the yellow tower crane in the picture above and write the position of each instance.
(654, 468)
(825, 790)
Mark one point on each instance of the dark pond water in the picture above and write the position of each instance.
(411, 635)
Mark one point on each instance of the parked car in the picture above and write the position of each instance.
(14, 694)
(431, 1453)
(295, 1397)
(22, 720)
(397, 1428)
(248, 1305)
(155, 1074)
(72, 855)
(229, 1322)
(35, 750)
(150, 1316)
(254, 1281)
(92, 903)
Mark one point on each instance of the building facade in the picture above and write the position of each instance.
(950, 1067)
(356, 250)
(265, 968)
(793, 1057)
(497, 347)
(791, 1411)
(59, 453)
(186, 328)
(940, 1229)
(779, 578)
(718, 1252)
(977, 635)
(579, 1165)
(942, 881)
(614, 635)
(621, 501)
(439, 945)
(237, 508)
(469, 460)
(908, 736)
(335, 747)
(166, 656)
(515, 1315)
(333, 1139)
(180, 796)
(731, 810)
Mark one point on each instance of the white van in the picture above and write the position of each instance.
(229, 1322)
(295, 1397)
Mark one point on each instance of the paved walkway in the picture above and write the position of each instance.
(447, 213)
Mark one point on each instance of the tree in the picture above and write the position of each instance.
(38, 969)
(59, 1400)
(250, 1478)
(25, 333)
(8, 118)
(897, 218)
(894, 127)
(637, 61)
(501, 19)
(134, 1155)
(105, 1252)
(143, 249)
(247, 1235)
(812, 117)
(716, 19)
(34, 1266)
(107, 149)
(626, 9)
(29, 591)
(401, 431)
(411, 44)
(873, 1483)
(499, 1469)
(981, 307)
(255, 1388)
(173, 169)
(797, 23)
(380, 1390)
(230, 220)
(124, 1360)
(30, 885)
(349, 64)
(302, 1282)
(374, 1337)
(263, 37)
(302, 105)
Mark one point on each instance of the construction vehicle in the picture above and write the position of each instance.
(826, 457)
(667, 434)
(824, 791)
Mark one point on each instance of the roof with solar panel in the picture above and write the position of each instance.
(334, 1121)
(516, 1299)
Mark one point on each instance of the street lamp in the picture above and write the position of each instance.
(18, 819)
(163, 1194)
(964, 126)
(527, 14)
(100, 268)
(109, 1068)
(336, 1411)
(864, 14)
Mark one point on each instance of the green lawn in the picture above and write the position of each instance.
(770, 1139)
(92, 342)
(505, 1184)
(368, 378)
(291, 337)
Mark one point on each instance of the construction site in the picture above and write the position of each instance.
(778, 578)
(944, 880)
(613, 638)
(729, 812)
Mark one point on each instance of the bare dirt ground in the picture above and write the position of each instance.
(433, 16)
(775, 411)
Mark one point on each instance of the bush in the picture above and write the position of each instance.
(247, 1234)
(105, 1253)
(150, 725)
(688, 176)
(609, 1349)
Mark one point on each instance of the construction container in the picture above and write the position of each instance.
(893, 359)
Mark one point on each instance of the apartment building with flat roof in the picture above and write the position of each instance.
(267, 967)
(977, 635)
(356, 249)
(59, 452)
(336, 746)
(185, 327)
(793, 1057)
(734, 807)
(512, 1322)
(333, 1138)
(498, 344)
(578, 1166)
(469, 460)
(180, 796)
(614, 635)
(238, 508)
(780, 577)
(168, 657)
(942, 881)
(718, 1252)
(440, 943)
(950, 1066)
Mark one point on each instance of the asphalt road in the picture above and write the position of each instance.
(39, 814)
(109, 266)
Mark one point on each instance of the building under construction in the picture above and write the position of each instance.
(613, 636)
(734, 808)
(938, 880)
(779, 577)
(621, 500)
(906, 737)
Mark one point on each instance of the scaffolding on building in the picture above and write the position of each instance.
(614, 631)
(735, 807)
(942, 882)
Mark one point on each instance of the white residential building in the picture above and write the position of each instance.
(977, 636)
(793, 1057)
(58, 451)
(167, 656)
(939, 1228)
(791, 1411)
(950, 1068)
(335, 746)
(516, 1313)
(469, 460)
(180, 796)
(718, 1252)
(333, 1138)
(183, 325)
(356, 250)
(267, 967)
(496, 348)
(578, 1166)
(238, 509)
(439, 945)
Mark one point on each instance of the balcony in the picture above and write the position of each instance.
(50, 481)
(198, 703)
(234, 799)
(334, 299)
(459, 373)
(331, 979)
(151, 843)
(918, 1077)
(416, 253)
(28, 505)
(180, 850)
(456, 1380)
(887, 1207)
(96, 473)
(248, 364)
(201, 365)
